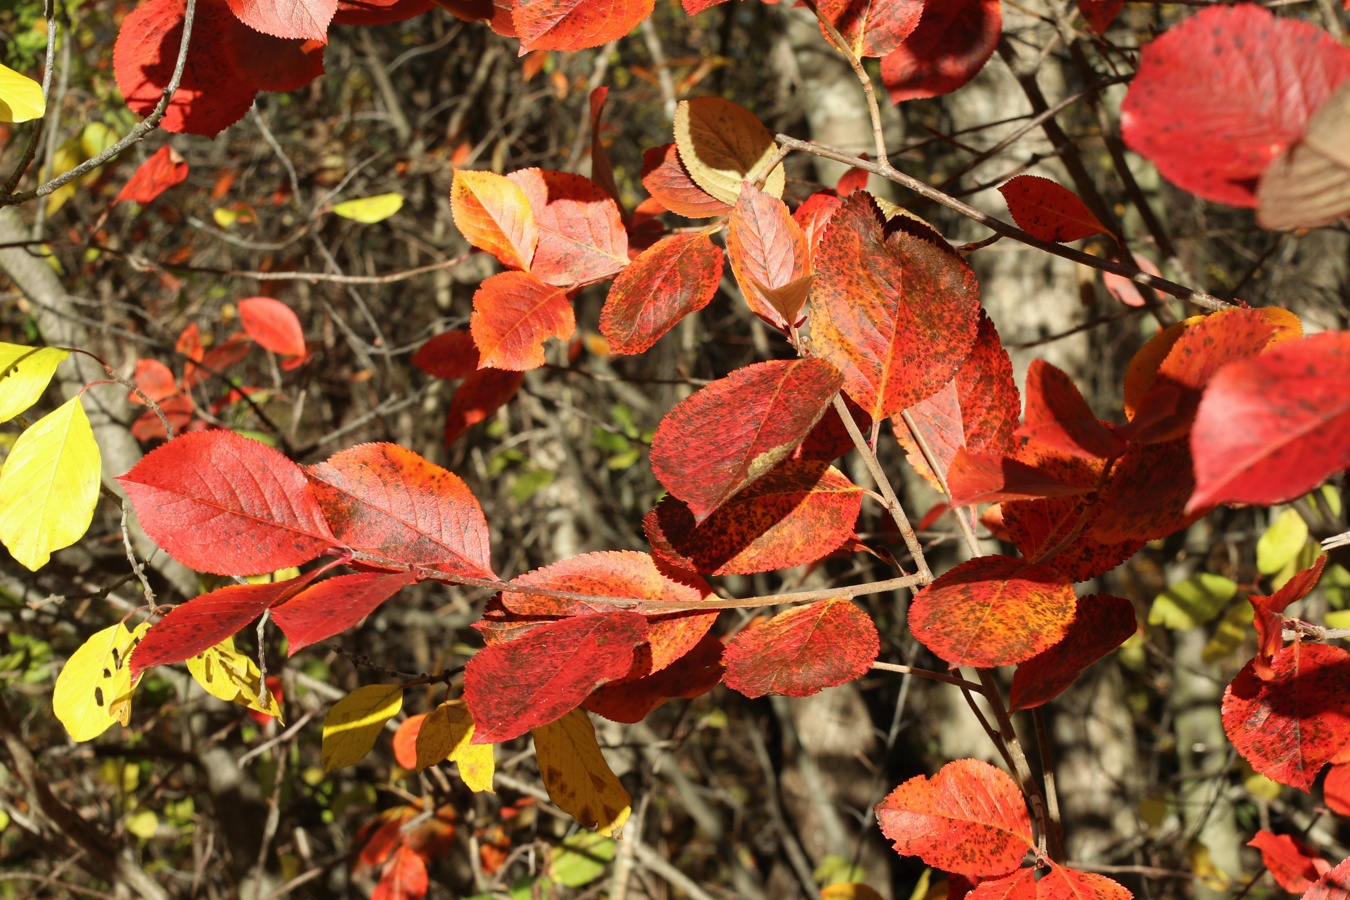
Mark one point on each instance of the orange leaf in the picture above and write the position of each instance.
(1054, 882)
(1101, 623)
(667, 180)
(513, 314)
(674, 277)
(494, 214)
(404, 878)
(767, 250)
(871, 27)
(802, 651)
(1293, 864)
(1049, 211)
(575, 24)
(154, 176)
(405, 741)
(581, 233)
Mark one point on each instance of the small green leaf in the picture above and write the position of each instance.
(582, 859)
(143, 823)
(20, 97)
(1281, 542)
(355, 721)
(1192, 602)
(1335, 584)
(369, 210)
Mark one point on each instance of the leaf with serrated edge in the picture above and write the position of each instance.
(494, 214)
(802, 651)
(92, 679)
(354, 722)
(720, 143)
(1294, 865)
(514, 313)
(575, 24)
(668, 181)
(335, 605)
(674, 277)
(1049, 211)
(1101, 623)
(581, 233)
(767, 250)
(576, 775)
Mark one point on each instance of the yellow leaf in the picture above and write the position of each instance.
(20, 97)
(849, 890)
(273, 577)
(93, 678)
(96, 138)
(1231, 633)
(67, 156)
(49, 485)
(1281, 542)
(25, 373)
(143, 823)
(229, 675)
(225, 217)
(445, 735)
(355, 721)
(576, 775)
(370, 210)
(721, 143)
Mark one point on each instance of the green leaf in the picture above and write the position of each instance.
(355, 721)
(1281, 542)
(143, 823)
(370, 210)
(1193, 602)
(49, 486)
(1230, 634)
(26, 372)
(1335, 584)
(1338, 619)
(94, 687)
(20, 97)
(582, 859)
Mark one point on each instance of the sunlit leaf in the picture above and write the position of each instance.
(802, 651)
(369, 210)
(1049, 211)
(581, 233)
(953, 41)
(335, 605)
(576, 775)
(353, 723)
(20, 97)
(674, 277)
(514, 313)
(273, 325)
(720, 143)
(93, 680)
(494, 214)
(25, 373)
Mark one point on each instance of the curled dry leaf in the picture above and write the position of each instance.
(720, 143)
(1308, 185)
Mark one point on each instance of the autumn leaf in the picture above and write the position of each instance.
(1145, 497)
(1295, 416)
(953, 41)
(1291, 724)
(1269, 622)
(767, 250)
(225, 673)
(302, 19)
(446, 736)
(802, 651)
(969, 818)
(369, 210)
(764, 411)
(720, 143)
(25, 373)
(404, 877)
(380, 12)
(449, 355)
(1294, 865)
(161, 171)
(1336, 788)
(273, 325)
(1101, 623)
(1333, 885)
(674, 277)
(21, 97)
(335, 605)
(1099, 14)
(893, 307)
(581, 233)
(224, 504)
(814, 214)
(692, 675)
(982, 478)
(871, 27)
(668, 181)
(992, 611)
(1058, 416)
(537, 678)
(353, 724)
(493, 214)
(269, 63)
(93, 680)
(602, 172)
(388, 501)
(1049, 211)
(479, 396)
(1051, 882)
(1308, 185)
(576, 775)
(575, 24)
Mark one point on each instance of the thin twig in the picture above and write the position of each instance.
(926, 673)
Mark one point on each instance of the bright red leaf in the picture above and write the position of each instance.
(153, 177)
(335, 605)
(1334, 885)
(767, 250)
(1099, 14)
(763, 411)
(538, 678)
(669, 280)
(514, 313)
(1290, 725)
(480, 395)
(205, 621)
(829, 439)
(273, 325)
(1267, 616)
(802, 651)
(575, 24)
(1058, 416)
(379, 12)
(271, 63)
(154, 379)
(1336, 788)
(497, 13)
(302, 19)
(953, 41)
(221, 503)
(894, 307)
(872, 27)
(449, 355)
(667, 180)
(815, 213)
(1273, 74)
(983, 478)
(1294, 411)
(692, 675)
(405, 741)
(1049, 211)
(493, 214)
(386, 500)
(992, 611)
(800, 511)
(1101, 623)
(1294, 865)
(969, 818)
(404, 877)
(1053, 883)
(581, 233)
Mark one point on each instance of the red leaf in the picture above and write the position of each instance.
(581, 233)
(335, 605)
(493, 214)
(1101, 623)
(815, 213)
(1336, 788)
(388, 501)
(497, 13)
(798, 513)
(480, 395)
(405, 741)
(854, 179)
(894, 307)
(379, 12)
(539, 677)
(303, 19)
(404, 878)
(576, 24)
(1290, 725)
(514, 313)
(829, 439)
(211, 95)
(767, 250)
(155, 381)
(221, 503)
(154, 176)
(992, 611)
(802, 651)
(205, 621)
(179, 410)
(1049, 211)
(1058, 416)
(970, 819)
(273, 325)
(1294, 865)
(1056, 883)
(763, 411)
(602, 173)
(872, 27)
(621, 573)
(1145, 496)
(1294, 412)
(674, 277)
(1099, 14)
(692, 675)
(1273, 73)
(976, 479)
(953, 41)
(217, 359)
(1268, 619)
(1334, 885)
(449, 355)
(667, 180)
(271, 63)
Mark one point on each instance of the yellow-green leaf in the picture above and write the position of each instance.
(95, 138)
(576, 775)
(1192, 602)
(143, 823)
(1281, 542)
(25, 373)
(49, 486)
(581, 859)
(229, 675)
(1230, 634)
(67, 156)
(94, 678)
(446, 734)
(370, 210)
(20, 97)
(355, 721)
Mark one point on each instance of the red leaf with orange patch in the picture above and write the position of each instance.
(335, 605)
(953, 41)
(581, 233)
(221, 503)
(1273, 74)
(992, 611)
(1053, 883)
(763, 412)
(667, 180)
(538, 678)
(1294, 413)
(1290, 725)
(1049, 211)
(386, 500)
(1058, 416)
(802, 651)
(1294, 865)
(154, 176)
(575, 24)
(1101, 623)
(404, 877)
(969, 819)
(514, 313)
(894, 307)
(493, 214)
(692, 675)
(797, 513)
(767, 250)
(674, 277)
